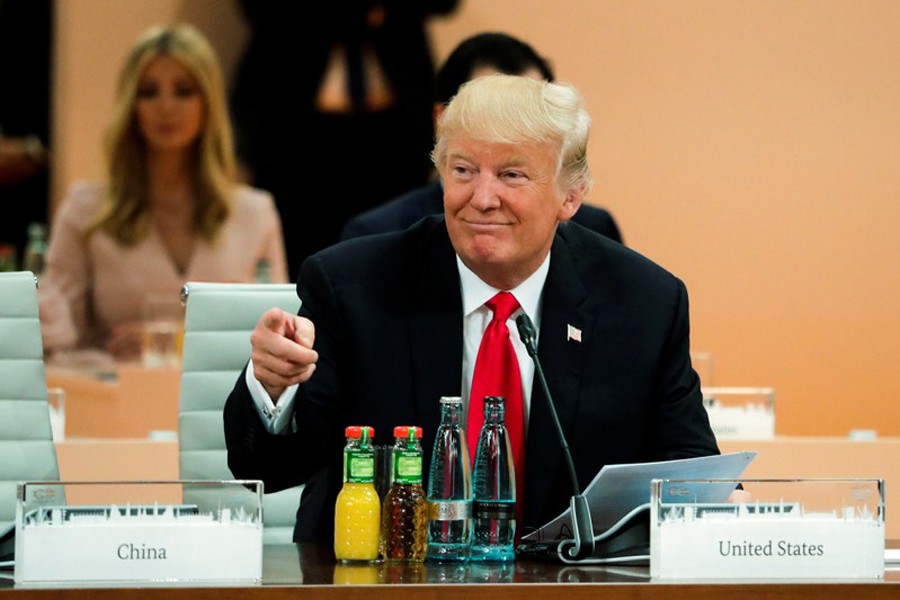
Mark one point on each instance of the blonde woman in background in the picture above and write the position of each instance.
(171, 210)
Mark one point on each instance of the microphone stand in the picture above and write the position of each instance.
(582, 526)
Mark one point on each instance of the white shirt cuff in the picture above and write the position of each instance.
(276, 416)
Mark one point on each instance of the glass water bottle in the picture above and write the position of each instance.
(494, 488)
(449, 488)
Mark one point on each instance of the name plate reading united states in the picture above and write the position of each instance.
(152, 532)
(798, 529)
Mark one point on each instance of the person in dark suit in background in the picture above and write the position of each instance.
(390, 323)
(346, 77)
(26, 43)
(481, 54)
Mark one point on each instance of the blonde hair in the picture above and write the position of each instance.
(511, 109)
(125, 214)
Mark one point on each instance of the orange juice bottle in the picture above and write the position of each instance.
(357, 511)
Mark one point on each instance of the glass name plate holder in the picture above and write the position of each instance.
(166, 532)
(798, 528)
(741, 413)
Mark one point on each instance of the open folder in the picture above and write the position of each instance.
(619, 501)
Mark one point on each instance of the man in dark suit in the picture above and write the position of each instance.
(390, 323)
(480, 54)
(352, 76)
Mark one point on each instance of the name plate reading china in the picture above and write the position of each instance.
(168, 532)
(810, 528)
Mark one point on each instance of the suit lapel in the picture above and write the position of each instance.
(563, 362)
(435, 326)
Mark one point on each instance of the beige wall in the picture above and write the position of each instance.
(750, 146)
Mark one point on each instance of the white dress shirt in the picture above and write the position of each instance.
(477, 316)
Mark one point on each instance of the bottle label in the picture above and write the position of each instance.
(360, 466)
(489, 509)
(407, 467)
(449, 510)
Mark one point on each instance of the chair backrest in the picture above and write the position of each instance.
(218, 320)
(27, 452)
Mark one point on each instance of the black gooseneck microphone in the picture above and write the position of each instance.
(581, 514)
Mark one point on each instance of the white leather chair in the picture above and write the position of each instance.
(27, 452)
(218, 320)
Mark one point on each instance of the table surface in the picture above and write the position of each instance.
(309, 571)
(123, 401)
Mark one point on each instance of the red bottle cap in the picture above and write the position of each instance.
(355, 431)
(403, 431)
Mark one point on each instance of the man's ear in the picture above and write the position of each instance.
(570, 206)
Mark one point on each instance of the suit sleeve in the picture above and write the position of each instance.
(681, 425)
(283, 461)
(253, 452)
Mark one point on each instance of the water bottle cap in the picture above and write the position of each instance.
(451, 400)
(355, 431)
(403, 431)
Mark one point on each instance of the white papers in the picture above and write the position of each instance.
(617, 490)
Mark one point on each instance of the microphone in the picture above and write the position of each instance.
(581, 514)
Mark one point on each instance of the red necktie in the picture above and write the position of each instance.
(497, 374)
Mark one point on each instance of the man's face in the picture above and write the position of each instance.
(502, 203)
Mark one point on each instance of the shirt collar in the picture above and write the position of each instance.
(476, 292)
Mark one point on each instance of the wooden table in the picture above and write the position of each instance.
(128, 401)
(306, 571)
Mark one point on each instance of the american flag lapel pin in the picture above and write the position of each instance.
(573, 334)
